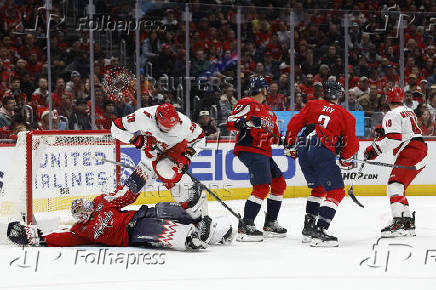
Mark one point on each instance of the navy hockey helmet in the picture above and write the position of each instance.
(332, 90)
(256, 85)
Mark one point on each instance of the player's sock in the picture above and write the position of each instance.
(312, 205)
(397, 206)
(252, 208)
(406, 209)
(326, 214)
(273, 204)
(314, 200)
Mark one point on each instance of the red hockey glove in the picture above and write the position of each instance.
(347, 164)
(371, 152)
(138, 141)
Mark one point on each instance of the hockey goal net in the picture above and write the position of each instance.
(49, 169)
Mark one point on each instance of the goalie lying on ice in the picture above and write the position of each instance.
(102, 222)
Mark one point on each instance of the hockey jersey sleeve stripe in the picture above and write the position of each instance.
(241, 113)
(395, 136)
(119, 123)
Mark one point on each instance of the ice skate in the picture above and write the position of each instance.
(248, 232)
(309, 228)
(320, 238)
(395, 229)
(271, 228)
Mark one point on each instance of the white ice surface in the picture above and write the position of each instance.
(274, 264)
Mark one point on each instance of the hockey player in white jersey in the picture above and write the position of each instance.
(161, 132)
(402, 135)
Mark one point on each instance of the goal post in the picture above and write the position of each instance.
(49, 169)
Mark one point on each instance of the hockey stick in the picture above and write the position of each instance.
(350, 191)
(113, 162)
(385, 164)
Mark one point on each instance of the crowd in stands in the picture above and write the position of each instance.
(373, 63)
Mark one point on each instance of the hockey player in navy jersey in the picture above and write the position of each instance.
(253, 147)
(329, 130)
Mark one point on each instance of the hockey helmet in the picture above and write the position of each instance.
(395, 95)
(332, 90)
(167, 117)
(256, 85)
(81, 209)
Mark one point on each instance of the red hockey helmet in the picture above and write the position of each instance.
(395, 95)
(167, 117)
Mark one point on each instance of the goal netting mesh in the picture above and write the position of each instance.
(49, 169)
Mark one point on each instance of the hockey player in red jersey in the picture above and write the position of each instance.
(158, 129)
(102, 222)
(253, 148)
(329, 130)
(402, 135)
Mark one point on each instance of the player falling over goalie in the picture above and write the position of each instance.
(401, 134)
(102, 222)
(168, 140)
(329, 130)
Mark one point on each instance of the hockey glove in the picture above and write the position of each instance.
(290, 151)
(25, 235)
(347, 164)
(138, 141)
(255, 122)
(371, 152)
(378, 132)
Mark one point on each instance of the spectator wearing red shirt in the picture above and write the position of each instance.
(231, 41)
(39, 96)
(427, 124)
(308, 88)
(299, 102)
(58, 92)
(427, 71)
(104, 120)
(212, 40)
(275, 47)
(10, 15)
(276, 101)
(33, 65)
(26, 50)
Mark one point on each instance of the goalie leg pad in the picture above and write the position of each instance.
(171, 210)
(153, 232)
(223, 232)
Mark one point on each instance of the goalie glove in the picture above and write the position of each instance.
(25, 235)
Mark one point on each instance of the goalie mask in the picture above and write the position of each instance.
(81, 209)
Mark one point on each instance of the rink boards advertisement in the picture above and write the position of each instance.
(216, 166)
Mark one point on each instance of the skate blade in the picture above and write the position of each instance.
(246, 238)
(268, 234)
(306, 239)
(395, 234)
(410, 233)
(325, 244)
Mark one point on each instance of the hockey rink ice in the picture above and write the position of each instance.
(360, 262)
